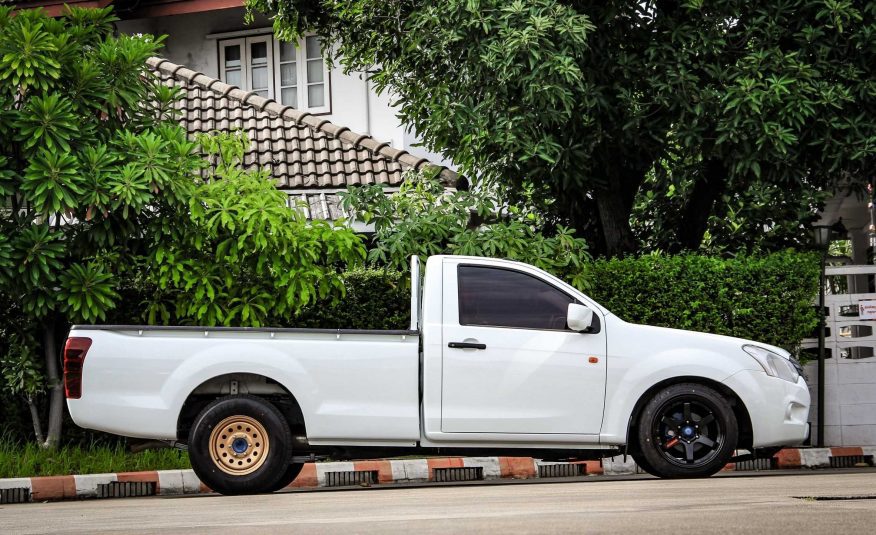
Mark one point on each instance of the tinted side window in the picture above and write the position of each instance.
(505, 298)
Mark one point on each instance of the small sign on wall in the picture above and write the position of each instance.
(867, 309)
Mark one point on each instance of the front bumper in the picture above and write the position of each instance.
(779, 410)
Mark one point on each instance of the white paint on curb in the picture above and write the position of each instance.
(615, 466)
(170, 482)
(191, 483)
(410, 470)
(86, 485)
(489, 464)
(173, 482)
(16, 483)
(815, 457)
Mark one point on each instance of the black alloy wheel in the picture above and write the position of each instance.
(686, 430)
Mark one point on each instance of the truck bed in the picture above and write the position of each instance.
(362, 387)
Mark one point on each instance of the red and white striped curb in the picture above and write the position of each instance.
(820, 457)
(167, 482)
(787, 458)
(176, 482)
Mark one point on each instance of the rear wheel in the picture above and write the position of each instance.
(289, 476)
(240, 445)
(686, 430)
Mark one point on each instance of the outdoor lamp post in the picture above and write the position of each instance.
(821, 235)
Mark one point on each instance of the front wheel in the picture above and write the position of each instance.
(240, 445)
(687, 430)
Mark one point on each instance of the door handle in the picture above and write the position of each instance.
(466, 345)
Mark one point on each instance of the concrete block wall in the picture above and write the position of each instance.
(850, 401)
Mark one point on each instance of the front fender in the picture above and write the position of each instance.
(626, 386)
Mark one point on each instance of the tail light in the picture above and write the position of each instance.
(74, 357)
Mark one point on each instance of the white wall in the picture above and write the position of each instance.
(850, 371)
(353, 103)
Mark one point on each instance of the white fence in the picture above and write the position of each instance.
(850, 364)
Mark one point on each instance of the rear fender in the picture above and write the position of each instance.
(223, 359)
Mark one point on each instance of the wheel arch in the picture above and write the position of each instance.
(740, 411)
(254, 384)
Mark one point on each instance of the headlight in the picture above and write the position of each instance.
(773, 364)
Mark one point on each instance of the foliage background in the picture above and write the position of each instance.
(767, 299)
(375, 299)
(545, 95)
(599, 105)
(101, 192)
(762, 298)
(424, 218)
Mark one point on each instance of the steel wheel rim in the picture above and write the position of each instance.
(687, 432)
(239, 445)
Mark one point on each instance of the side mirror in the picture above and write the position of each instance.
(579, 318)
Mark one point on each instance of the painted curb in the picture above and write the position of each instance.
(179, 482)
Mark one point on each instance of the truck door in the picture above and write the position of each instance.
(510, 363)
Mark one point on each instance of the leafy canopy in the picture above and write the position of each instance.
(90, 158)
(86, 161)
(586, 99)
(423, 218)
(103, 191)
(240, 255)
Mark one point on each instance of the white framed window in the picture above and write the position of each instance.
(248, 63)
(303, 80)
(294, 74)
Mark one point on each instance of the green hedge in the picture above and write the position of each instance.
(768, 299)
(375, 299)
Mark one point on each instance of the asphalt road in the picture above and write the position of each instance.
(764, 503)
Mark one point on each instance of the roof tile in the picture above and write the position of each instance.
(301, 150)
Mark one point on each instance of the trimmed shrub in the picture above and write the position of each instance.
(375, 299)
(768, 299)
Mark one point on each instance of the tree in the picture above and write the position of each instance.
(87, 156)
(239, 255)
(764, 218)
(585, 99)
(423, 218)
(104, 191)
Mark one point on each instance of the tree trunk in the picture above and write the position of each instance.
(699, 208)
(614, 219)
(56, 392)
(35, 418)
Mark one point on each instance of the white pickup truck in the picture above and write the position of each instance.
(500, 357)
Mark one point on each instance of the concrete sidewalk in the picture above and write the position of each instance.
(176, 482)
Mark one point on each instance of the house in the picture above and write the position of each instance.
(316, 129)
(311, 158)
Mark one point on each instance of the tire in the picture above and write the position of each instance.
(686, 430)
(240, 445)
(643, 463)
(288, 477)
